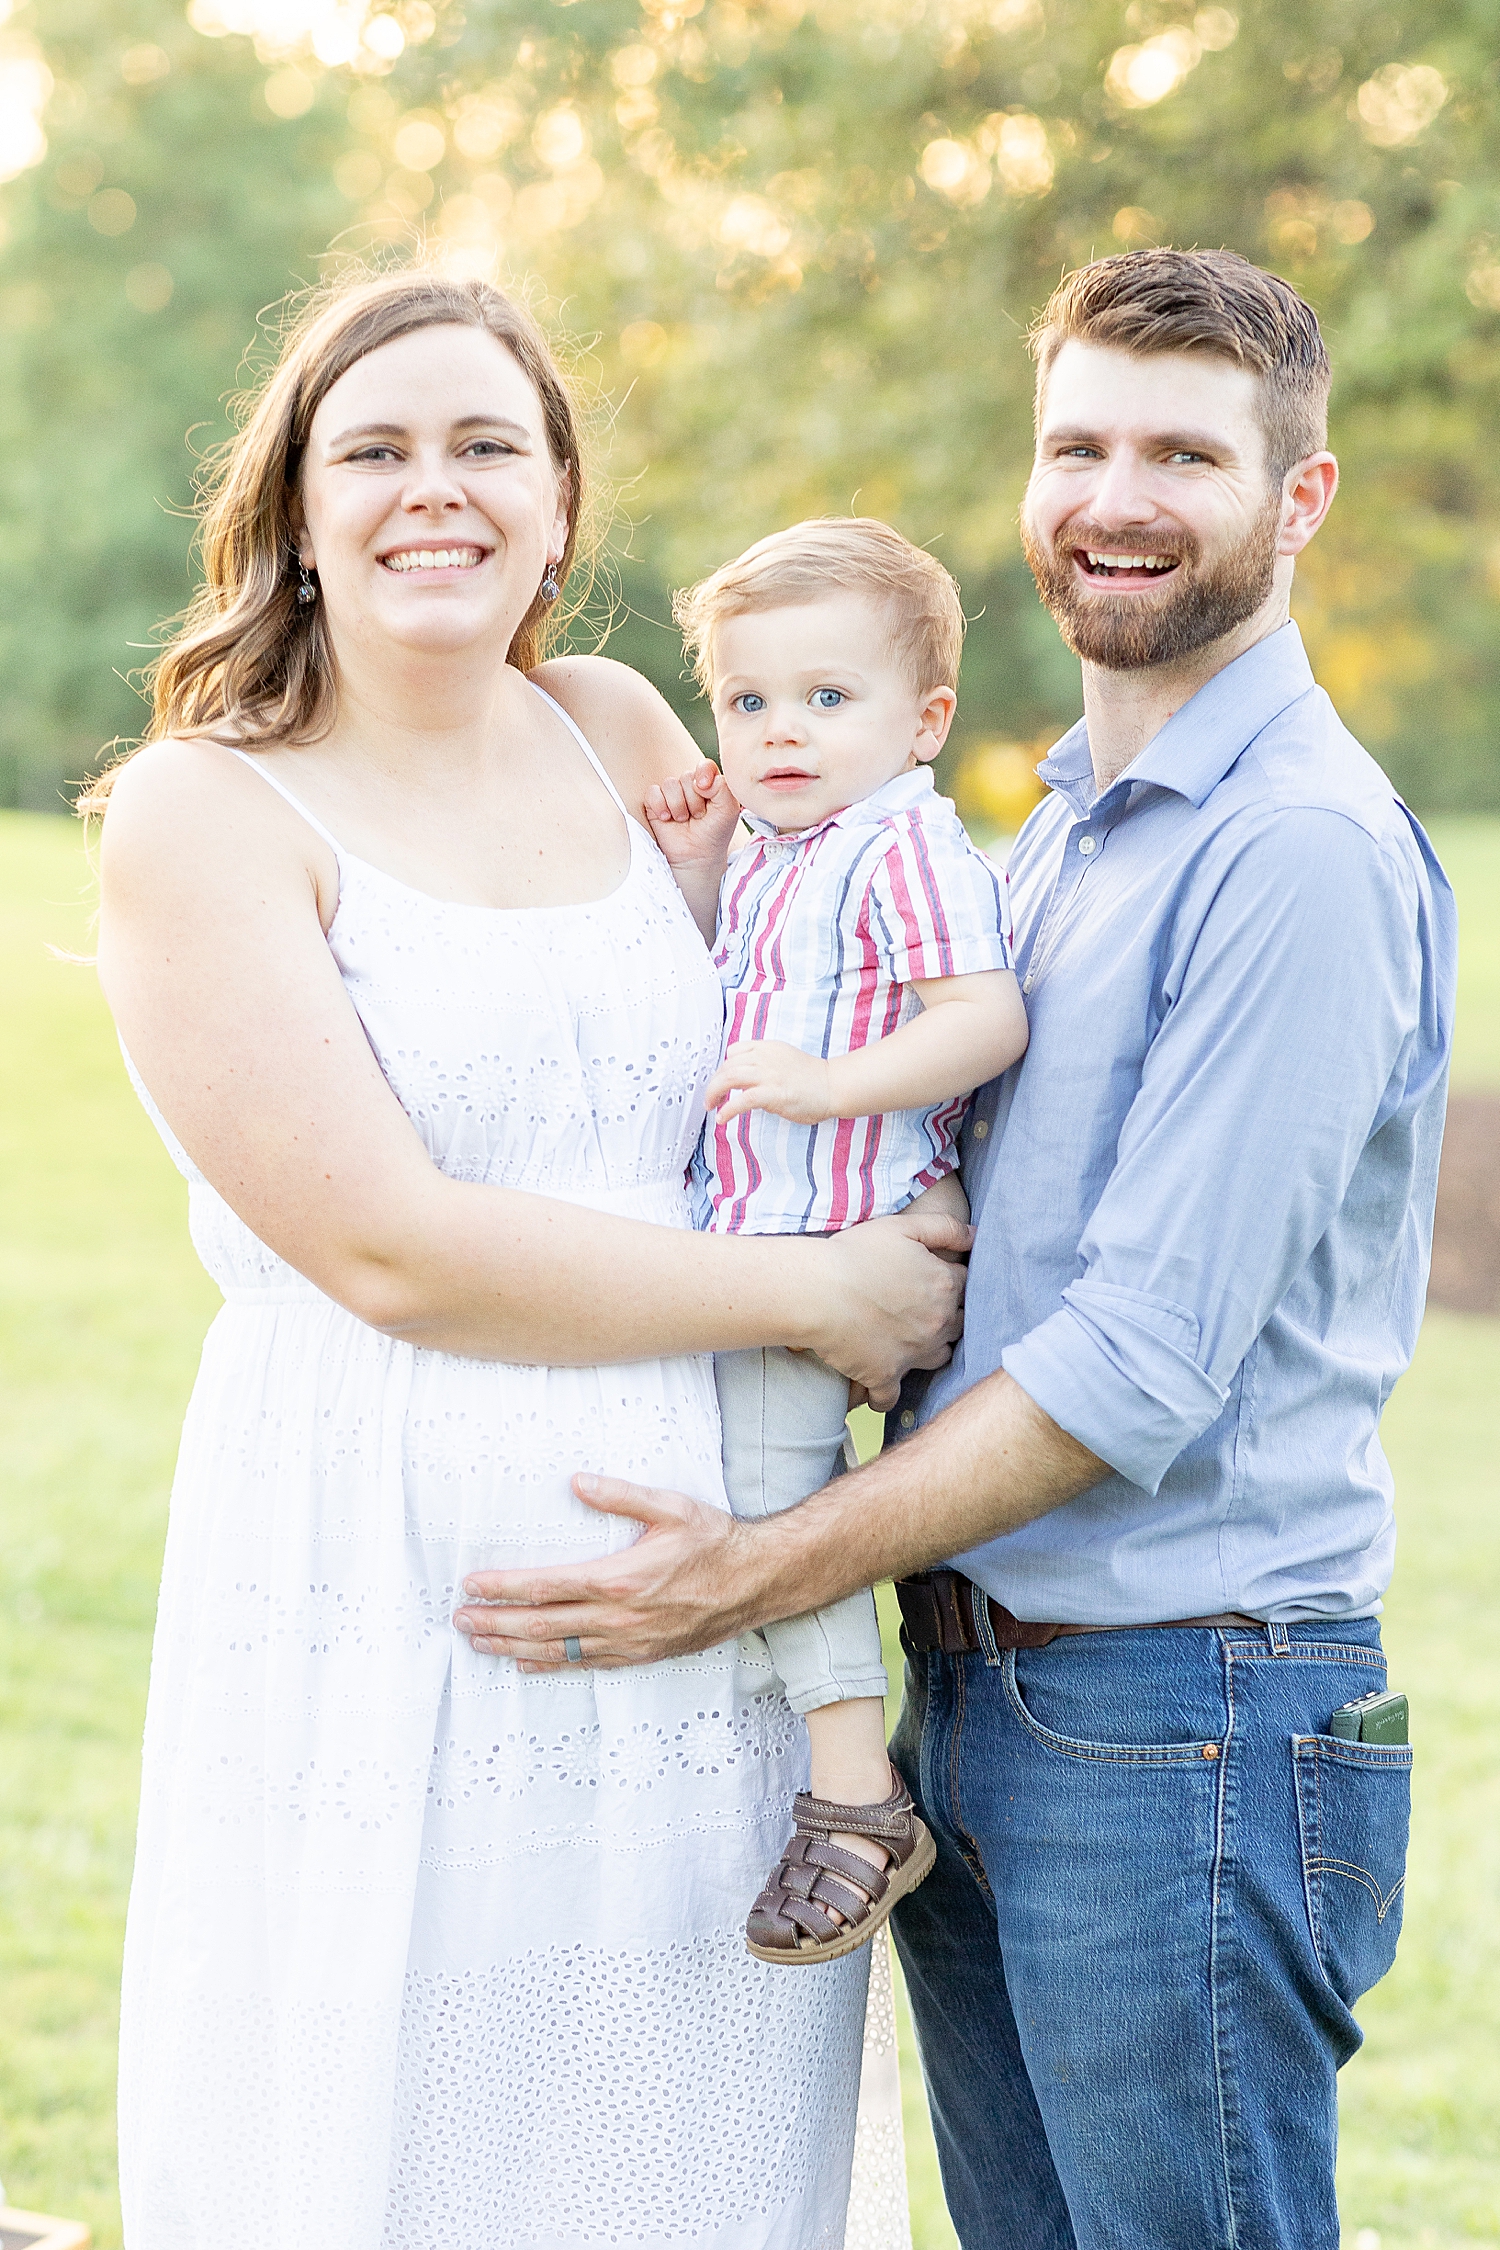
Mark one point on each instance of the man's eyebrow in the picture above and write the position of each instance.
(1165, 441)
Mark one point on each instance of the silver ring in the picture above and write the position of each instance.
(573, 1649)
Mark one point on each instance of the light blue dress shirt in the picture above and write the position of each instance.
(1204, 1198)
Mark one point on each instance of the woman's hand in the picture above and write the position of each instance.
(893, 1301)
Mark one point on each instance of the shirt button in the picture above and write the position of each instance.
(908, 1420)
(981, 1131)
(1088, 845)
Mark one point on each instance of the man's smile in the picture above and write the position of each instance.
(1121, 571)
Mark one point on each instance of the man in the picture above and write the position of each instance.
(1202, 1210)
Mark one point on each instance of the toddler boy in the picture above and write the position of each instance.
(863, 947)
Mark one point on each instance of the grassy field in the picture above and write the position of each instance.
(102, 1308)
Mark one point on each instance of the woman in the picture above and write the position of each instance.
(423, 1951)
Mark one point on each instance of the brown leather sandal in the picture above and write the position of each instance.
(790, 1922)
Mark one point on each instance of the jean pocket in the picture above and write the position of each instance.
(1353, 1817)
(1024, 1697)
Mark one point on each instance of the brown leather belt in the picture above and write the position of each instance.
(942, 1610)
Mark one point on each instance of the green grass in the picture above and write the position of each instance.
(102, 1308)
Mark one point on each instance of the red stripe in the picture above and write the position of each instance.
(901, 900)
(769, 928)
(932, 894)
(838, 1212)
(873, 1126)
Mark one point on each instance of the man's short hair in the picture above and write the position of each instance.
(834, 555)
(1212, 301)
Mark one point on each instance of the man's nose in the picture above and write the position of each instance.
(1122, 493)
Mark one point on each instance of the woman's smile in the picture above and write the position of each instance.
(448, 559)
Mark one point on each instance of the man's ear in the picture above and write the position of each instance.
(934, 718)
(1306, 497)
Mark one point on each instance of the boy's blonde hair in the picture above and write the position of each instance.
(833, 555)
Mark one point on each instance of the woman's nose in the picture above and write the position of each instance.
(432, 485)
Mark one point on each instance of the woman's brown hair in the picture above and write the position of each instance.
(249, 660)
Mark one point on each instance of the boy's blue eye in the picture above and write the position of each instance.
(827, 698)
(750, 704)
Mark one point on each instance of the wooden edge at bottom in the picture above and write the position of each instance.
(45, 2233)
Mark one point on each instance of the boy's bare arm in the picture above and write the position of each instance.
(970, 1029)
(693, 818)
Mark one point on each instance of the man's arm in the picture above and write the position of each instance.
(990, 1462)
(1290, 1009)
(1289, 1012)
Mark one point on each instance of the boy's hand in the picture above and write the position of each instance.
(768, 1074)
(693, 817)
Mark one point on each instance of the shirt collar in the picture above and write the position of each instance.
(1199, 743)
(897, 795)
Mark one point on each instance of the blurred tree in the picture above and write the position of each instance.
(800, 246)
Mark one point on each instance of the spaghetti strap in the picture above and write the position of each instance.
(296, 803)
(582, 741)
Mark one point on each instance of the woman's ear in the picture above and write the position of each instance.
(561, 520)
(297, 525)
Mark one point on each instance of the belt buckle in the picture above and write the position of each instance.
(936, 1615)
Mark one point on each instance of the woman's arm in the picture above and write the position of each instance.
(628, 723)
(661, 773)
(214, 961)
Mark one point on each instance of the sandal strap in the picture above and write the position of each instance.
(809, 1917)
(872, 1881)
(890, 1823)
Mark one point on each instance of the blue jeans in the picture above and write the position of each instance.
(1159, 1890)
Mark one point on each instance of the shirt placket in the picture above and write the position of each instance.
(1082, 848)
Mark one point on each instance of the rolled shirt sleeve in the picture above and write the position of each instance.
(1287, 1019)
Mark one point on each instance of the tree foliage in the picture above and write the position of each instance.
(797, 248)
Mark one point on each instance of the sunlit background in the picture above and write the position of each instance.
(794, 248)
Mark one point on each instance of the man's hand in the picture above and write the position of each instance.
(988, 1463)
(671, 1593)
(693, 818)
(768, 1074)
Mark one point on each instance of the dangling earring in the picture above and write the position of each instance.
(307, 592)
(550, 587)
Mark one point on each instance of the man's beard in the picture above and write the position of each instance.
(1136, 630)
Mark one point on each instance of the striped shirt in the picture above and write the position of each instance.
(821, 937)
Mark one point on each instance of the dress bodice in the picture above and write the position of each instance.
(563, 1050)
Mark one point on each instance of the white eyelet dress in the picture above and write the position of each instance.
(423, 1953)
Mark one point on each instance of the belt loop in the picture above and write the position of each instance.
(1281, 1639)
(984, 1626)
